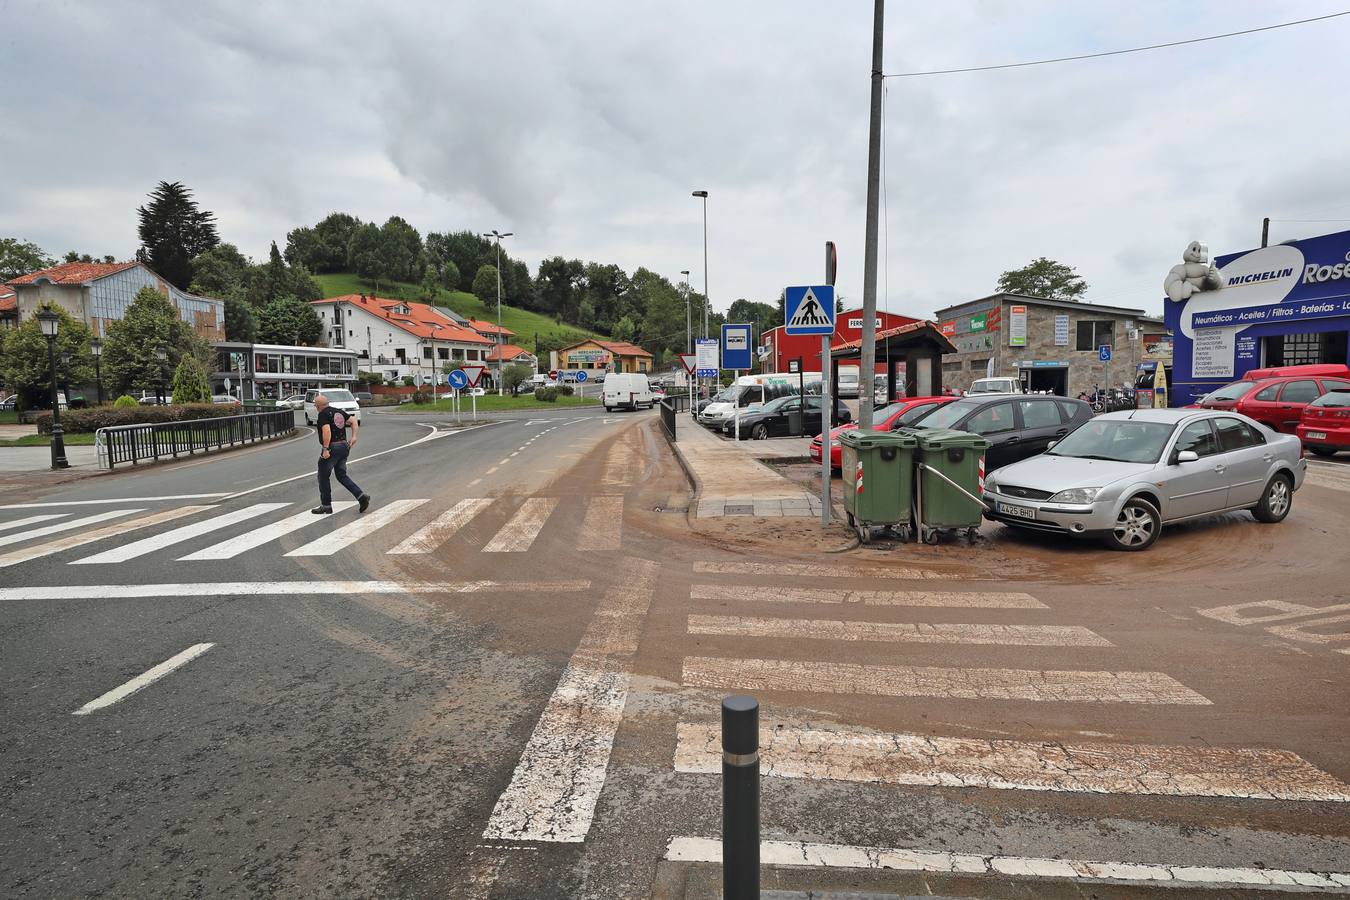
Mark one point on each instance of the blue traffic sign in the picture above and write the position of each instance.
(736, 347)
(1104, 352)
(809, 310)
(581, 377)
(457, 380)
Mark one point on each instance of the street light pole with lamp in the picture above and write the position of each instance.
(494, 233)
(161, 357)
(96, 348)
(50, 323)
(703, 195)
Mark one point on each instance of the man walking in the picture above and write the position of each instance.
(333, 425)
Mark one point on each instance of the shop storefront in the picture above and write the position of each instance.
(1284, 305)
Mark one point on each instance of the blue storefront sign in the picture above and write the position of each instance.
(1301, 287)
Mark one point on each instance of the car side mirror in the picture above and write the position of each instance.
(1186, 456)
(1051, 445)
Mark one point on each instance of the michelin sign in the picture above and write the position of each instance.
(1219, 310)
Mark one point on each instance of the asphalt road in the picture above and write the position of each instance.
(520, 700)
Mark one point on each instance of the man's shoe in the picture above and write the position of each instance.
(322, 510)
(363, 502)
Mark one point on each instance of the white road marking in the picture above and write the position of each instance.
(788, 751)
(178, 535)
(937, 681)
(110, 502)
(491, 470)
(344, 537)
(71, 541)
(443, 527)
(474, 482)
(31, 520)
(254, 539)
(845, 856)
(602, 529)
(185, 590)
(555, 786)
(145, 679)
(619, 465)
(797, 570)
(519, 533)
(973, 600)
(68, 525)
(899, 633)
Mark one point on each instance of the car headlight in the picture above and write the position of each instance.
(1076, 495)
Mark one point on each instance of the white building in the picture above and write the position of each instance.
(398, 338)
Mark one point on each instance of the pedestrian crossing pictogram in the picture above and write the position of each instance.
(809, 310)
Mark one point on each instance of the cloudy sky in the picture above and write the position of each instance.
(584, 125)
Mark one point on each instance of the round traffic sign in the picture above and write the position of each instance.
(457, 380)
(581, 376)
(553, 373)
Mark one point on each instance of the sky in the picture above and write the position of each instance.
(584, 126)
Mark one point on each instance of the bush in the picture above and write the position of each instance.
(126, 401)
(76, 421)
(407, 381)
(421, 397)
(546, 394)
(191, 384)
(566, 390)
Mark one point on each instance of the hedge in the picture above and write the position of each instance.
(76, 421)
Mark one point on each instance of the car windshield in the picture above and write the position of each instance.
(775, 405)
(338, 396)
(947, 416)
(1117, 440)
(1336, 399)
(1233, 391)
(991, 386)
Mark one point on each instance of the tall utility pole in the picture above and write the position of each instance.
(494, 233)
(869, 329)
(688, 325)
(704, 195)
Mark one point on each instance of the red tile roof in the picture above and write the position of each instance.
(510, 351)
(8, 302)
(618, 348)
(74, 273)
(420, 320)
(489, 327)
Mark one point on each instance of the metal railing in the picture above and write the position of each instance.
(668, 410)
(170, 440)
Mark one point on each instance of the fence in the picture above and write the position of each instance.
(668, 411)
(160, 440)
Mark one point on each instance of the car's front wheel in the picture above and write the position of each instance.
(760, 432)
(1137, 526)
(1276, 500)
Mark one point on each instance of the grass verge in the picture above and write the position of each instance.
(43, 440)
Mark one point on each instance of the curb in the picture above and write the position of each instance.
(692, 512)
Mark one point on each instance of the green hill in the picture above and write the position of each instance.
(524, 323)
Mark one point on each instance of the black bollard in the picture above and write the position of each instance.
(740, 798)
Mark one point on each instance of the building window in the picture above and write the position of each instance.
(337, 315)
(400, 354)
(442, 352)
(1092, 333)
(426, 353)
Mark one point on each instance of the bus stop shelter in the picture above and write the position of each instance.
(919, 345)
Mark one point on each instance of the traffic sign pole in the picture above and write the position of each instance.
(826, 420)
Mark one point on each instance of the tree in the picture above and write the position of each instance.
(26, 365)
(276, 279)
(623, 330)
(288, 320)
(303, 247)
(191, 384)
(221, 271)
(468, 250)
(431, 285)
(21, 257)
(558, 287)
(334, 234)
(401, 249)
(173, 231)
(449, 275)
(365, 253)
(239, 322)
(485, 284)
(514, 375)
(74, 256)
(151, 321)
(1044, 278)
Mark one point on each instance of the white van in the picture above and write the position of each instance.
(338, 398)
(997, 385)
(753, 391)
(629, 389)
(849, 387)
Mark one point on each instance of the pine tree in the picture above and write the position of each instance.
(190, 382)
(173, 230)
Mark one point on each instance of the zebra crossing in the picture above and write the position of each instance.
(398, 528)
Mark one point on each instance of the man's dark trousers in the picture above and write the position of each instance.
(336, 464)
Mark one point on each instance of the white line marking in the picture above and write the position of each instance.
(898, 633)
(352, 532)
(189, 590)
(475, 481)
(178, 535)
(110, 502)
(254, 539)
(845, 856)
(555, 786)
(788, 751)
(145, 679)
(71, 541)
(618, 467)
(937, 681)
(518, 534)
(602, 529)
(67, 525)
(31, 520)
(491, 470)
(973, 600)
(797, 570)
(443, 528)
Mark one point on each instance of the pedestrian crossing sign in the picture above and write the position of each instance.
(809, 310)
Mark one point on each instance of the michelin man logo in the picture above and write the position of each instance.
(1194, 275)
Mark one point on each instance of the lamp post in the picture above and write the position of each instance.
(50, 324)
(704, 196)
(494, 233)
(161, 357)
(96, 348)
(688, 327)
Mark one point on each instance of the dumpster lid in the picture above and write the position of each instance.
(945, 438)
(859, 439)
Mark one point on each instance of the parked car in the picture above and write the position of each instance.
(722, 396)
(149, 399)
(1277, 402)
(1124, 475)
(294, 401)
(753, 391)
(628, 389)
(339, 398)
(1325, 428)
(364, 397)
(889, 418)
(999, 385)
(10, 402)
(849, 385)
(1016, 427)
(225, 399)
(774, 419)
(478, 392)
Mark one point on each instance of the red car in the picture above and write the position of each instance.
(1326, 423)
(1274, 402)
(888, 418)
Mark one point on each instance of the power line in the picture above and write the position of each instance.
(1060, 59)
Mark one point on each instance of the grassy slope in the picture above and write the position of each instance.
(523, 322)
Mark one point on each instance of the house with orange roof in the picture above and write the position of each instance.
(399, 338)
(498, 334)
(510, 354)
(595, 355)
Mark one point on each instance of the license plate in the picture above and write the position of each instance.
(1021, 512)
(1316, 435)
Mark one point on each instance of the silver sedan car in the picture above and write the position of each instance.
(1122, 476)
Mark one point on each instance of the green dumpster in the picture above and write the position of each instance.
(950, 501)
(878, 473)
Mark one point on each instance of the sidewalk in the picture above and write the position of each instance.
(39, 459)
(730, 481)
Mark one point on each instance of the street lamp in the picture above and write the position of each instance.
(161, 357)
(50, 323)
(96, 348)
(704, 196)
(688, 327)
(494, 233)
